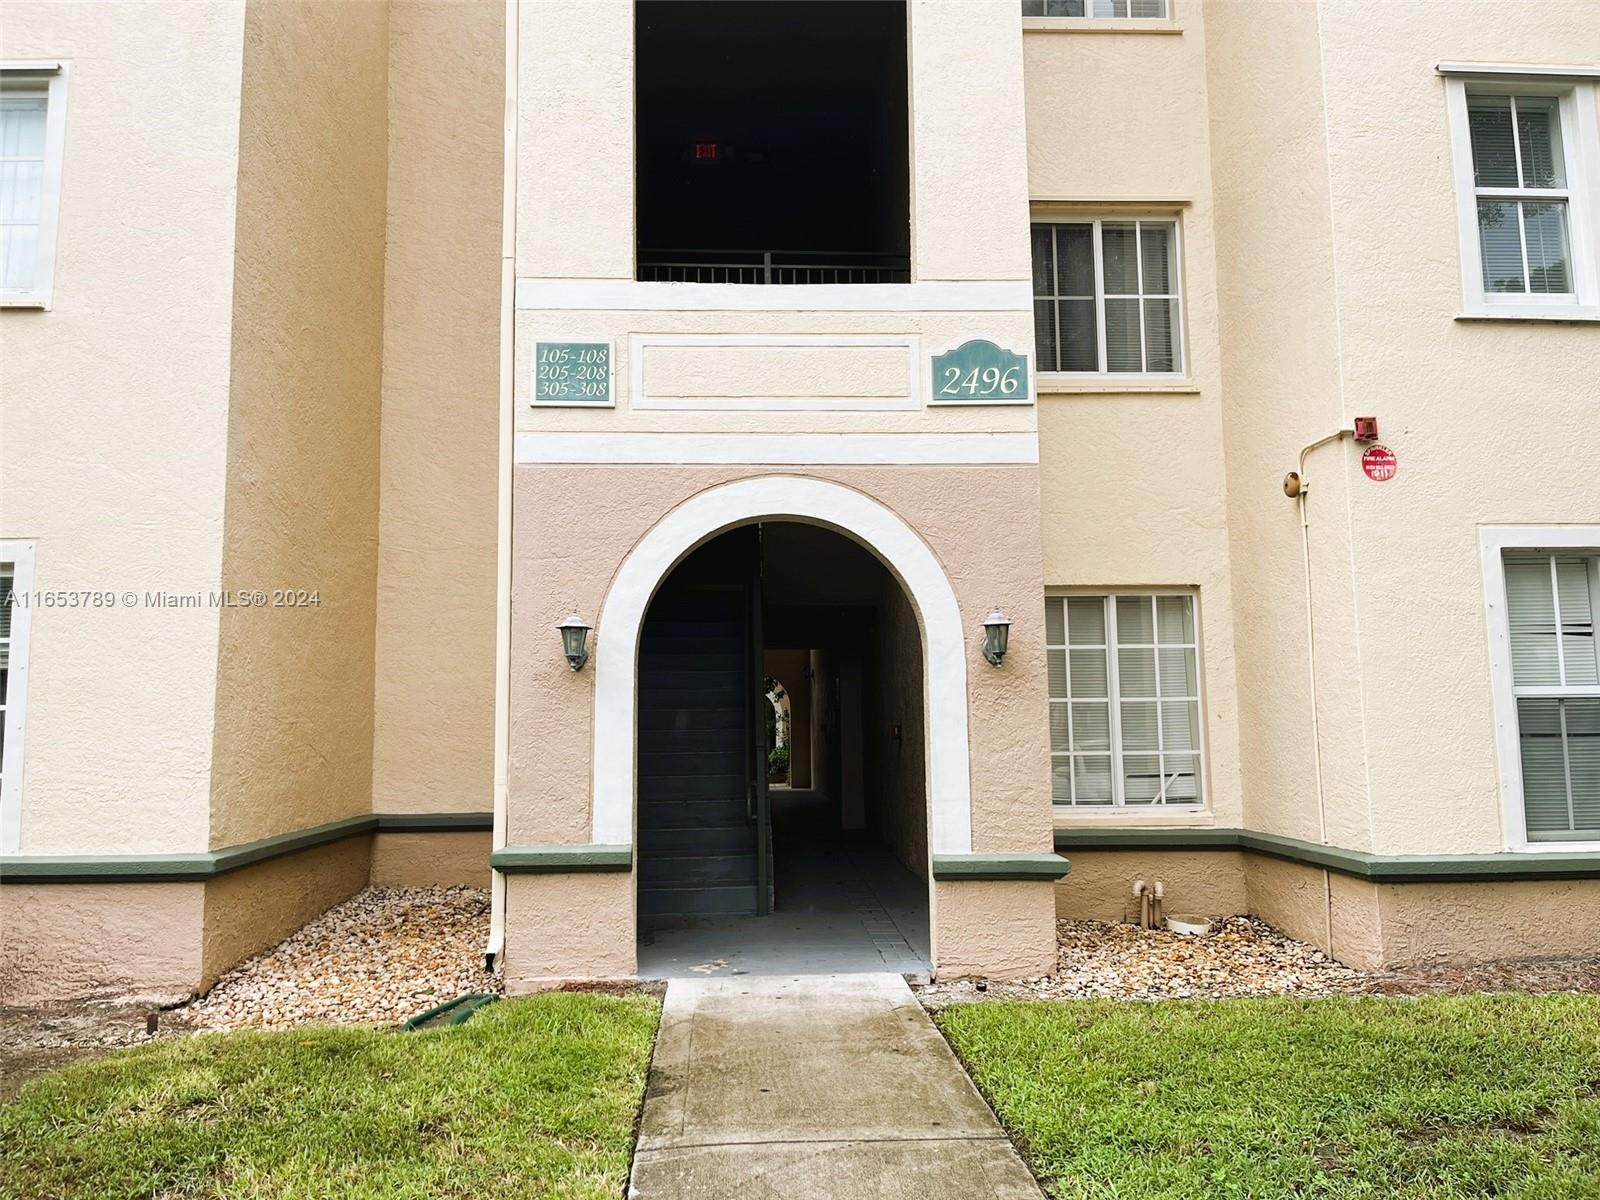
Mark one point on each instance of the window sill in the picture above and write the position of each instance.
(1067, 817)
(1097, 25)
(35, 302)
(1049, 384)
(1554, 848)
(1557, 313)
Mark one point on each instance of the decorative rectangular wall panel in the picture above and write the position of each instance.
(760, 372)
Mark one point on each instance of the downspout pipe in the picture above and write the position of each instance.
(1298, 486)
(494, 949)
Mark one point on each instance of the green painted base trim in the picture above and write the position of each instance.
(1379, 868)
(196, 868)
(561, 860)
(451, 822)
(999, 866)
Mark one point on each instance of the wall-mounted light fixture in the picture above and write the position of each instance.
(996, 633)
(574, 640)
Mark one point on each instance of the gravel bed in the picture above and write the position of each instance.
(382, 956)
(1240, 956)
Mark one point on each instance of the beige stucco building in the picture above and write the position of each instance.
(798, 350)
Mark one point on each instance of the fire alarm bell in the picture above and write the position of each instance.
(1366, 429)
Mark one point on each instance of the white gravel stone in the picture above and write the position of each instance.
(1244, 956)
(1240, 956)
(382, 956)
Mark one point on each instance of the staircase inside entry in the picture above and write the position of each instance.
(701, 803)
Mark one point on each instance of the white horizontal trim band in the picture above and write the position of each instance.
(1479, 68)
(796, 450)
(593, 295)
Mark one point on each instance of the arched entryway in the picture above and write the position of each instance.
(791, 566)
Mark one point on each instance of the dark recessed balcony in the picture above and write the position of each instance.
(778, 125)
(772, 266)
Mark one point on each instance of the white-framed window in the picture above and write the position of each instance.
(1099, 10)
(1107, 298)
(1527, 166)
(33, 112)
(1125, 712)
(1543, 596)
(16, 588)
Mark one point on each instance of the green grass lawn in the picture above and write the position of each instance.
(1434, 1098)
(532, 1097)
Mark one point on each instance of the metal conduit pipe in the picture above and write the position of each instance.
(495, 946)
(1296, 486)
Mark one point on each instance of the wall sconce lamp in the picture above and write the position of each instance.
(574, 639)
(996, 633)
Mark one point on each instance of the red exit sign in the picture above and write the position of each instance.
(705, 151)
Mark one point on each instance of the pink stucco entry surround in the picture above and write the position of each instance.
(964, 538)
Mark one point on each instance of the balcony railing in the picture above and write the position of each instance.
(771, 267)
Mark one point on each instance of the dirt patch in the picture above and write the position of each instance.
(1535, 976)
(36, 1038)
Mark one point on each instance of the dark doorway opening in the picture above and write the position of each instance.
(735, 874)
(772, 141)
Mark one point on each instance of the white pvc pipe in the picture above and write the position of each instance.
(495, 947)
(1311, 671)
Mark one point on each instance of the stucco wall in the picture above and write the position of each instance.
(575, 525)
(114, 451)
(999, 929)
(575, 211)
(433, 719)
(73, 939)
(573, 528)
(896, 767)
(1434, 923)
(293, 737)
(568, 927)
(454, 859)
(1279, 338)
(1421, 924)
(968, 202)
(1492, 422)
(1100, 885)
(920, 335)
(1132, 486)
(248, 910)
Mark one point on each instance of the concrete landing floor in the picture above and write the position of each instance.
(841, 907)
(814, 1087)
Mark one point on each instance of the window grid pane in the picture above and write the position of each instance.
(1124, 700)
(1517, 153)
(1139, 10)
(22, 174)
(1552, 602)
(1544, 234)
(1106, 296)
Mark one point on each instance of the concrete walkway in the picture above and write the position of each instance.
(814, 1087)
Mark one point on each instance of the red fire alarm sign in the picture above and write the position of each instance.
(1378, 462)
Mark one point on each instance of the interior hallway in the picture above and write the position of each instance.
(844, 905)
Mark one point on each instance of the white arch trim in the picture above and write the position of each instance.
(777, 498)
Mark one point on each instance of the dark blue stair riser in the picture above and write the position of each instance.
(697, 846)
